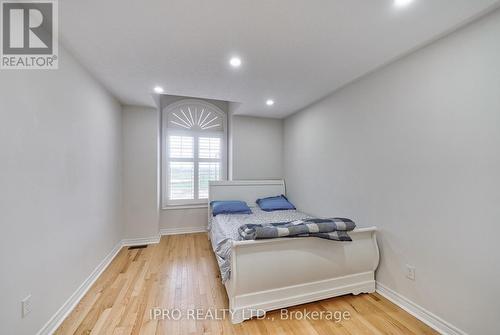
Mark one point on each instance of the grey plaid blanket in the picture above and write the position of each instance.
(331, 229)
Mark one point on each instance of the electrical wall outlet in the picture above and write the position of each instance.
(410, 272)
(26, 306)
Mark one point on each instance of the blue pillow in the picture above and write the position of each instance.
(229, 207)
(275, 203)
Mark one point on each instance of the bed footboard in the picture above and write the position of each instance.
(278, 273)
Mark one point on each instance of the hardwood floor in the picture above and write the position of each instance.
(180, 273)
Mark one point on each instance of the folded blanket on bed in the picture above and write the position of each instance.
(331, 229)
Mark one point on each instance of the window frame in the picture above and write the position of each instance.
(167, 131)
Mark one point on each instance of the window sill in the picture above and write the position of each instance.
(193, 206)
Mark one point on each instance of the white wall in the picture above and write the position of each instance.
(415, 149)
(185, 220)
(257, 153)
(140, 171)
(257, 148)
(60, 193)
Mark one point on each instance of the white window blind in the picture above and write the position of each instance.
(181, 146)
(194, 142)
(207, 172)
(209, 147)
(181, 180)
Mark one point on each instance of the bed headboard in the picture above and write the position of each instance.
(245, 190)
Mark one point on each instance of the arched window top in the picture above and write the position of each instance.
(195, 115)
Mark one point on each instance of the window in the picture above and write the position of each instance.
(194, 151)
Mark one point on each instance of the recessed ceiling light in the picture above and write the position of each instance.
(270, 102)
(402, 3)
(235, 62)
(158, 89)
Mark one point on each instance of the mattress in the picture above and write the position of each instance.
(223, 229)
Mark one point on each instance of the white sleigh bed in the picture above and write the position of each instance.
(264, 278)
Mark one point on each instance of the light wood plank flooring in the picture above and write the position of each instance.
(181, 273)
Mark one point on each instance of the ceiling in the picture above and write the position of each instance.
(293, 51)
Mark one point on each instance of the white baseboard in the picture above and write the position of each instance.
(419, 312)
(51, 326)
(186, 230)
(128, 242)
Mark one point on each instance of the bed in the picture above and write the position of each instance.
(264, 275)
